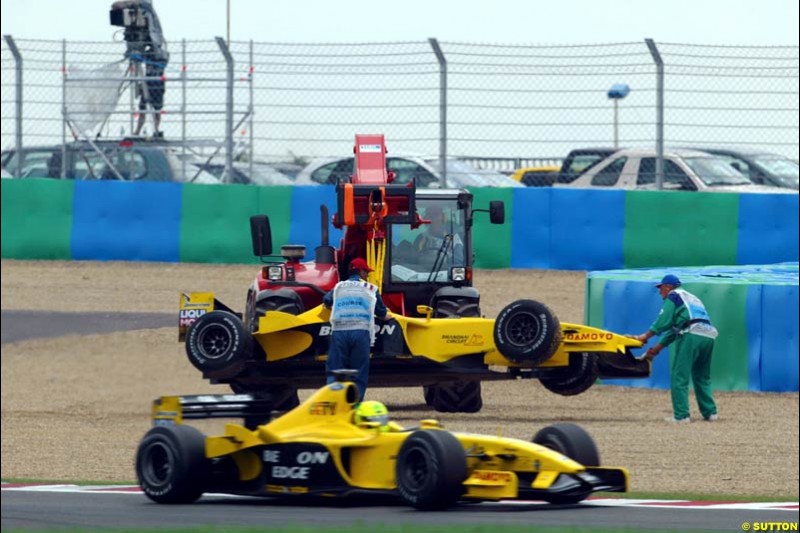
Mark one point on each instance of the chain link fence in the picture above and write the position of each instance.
(500, 107)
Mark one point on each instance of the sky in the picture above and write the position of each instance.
(742, 22)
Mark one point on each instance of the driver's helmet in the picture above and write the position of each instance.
(372, 411)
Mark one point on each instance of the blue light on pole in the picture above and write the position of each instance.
(617, 92)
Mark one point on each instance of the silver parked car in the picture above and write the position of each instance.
(685, 170)
(329, 170)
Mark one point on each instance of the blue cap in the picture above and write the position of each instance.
(670, 279)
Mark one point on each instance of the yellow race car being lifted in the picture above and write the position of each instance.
(437, 337)
(318, 449)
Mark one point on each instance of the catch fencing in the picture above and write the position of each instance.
(501, 107)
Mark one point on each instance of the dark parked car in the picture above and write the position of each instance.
(763, 168)
(576, 163)
(130, 160)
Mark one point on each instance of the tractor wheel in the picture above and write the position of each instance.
(219, 344)
(281, 300)
(431, 469)
(171, 464)
(455, 397)
(581, 374)
(457, 308)
(429, 391)
(574, 442)
(459, 397)
(527, 331)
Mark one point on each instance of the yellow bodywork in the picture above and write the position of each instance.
(494, 464)
(436, 339)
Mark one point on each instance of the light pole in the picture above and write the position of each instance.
(617, 92)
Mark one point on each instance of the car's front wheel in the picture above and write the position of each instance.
(431, 469)
(527, 331)
(171, 464)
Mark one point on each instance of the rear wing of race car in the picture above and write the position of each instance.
(173, 410)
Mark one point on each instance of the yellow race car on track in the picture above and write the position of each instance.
(321, 449)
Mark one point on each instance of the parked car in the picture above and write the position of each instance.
(576, 163)
(423, 169)
(580, 160)
(263, 174)
(763, 168)
(686, 170)
(132, 159)
(537, 176)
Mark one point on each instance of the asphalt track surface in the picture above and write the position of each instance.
(26, 325)
(46, 510)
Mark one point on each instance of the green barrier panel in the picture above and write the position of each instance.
(727, 307)
(680, 228)
(36, 218)
(215, 226)
(491, 243)
(593, 306)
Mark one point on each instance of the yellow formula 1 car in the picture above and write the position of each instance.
(526, 340)
(318, 449)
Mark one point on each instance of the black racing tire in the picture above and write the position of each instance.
(570, 440)
(431, 469)
(527, 331)
(219, 344)
(574, 442)
(576, 378)
(455, 397)
(171, 464)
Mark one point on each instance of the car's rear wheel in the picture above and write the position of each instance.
(171, 464)
(218, 344)
(574, 442)
(431, 469)
(527, 331)
(577, 377)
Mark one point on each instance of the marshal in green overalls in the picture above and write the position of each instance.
(684, 323)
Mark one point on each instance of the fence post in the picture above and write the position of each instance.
(183, 109)
(228, 110)
(17, 100)
(442, 108)
(63, 109)
(651, 45)
(252, 109)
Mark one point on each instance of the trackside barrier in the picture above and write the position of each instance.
(755, 309)
(554, 228)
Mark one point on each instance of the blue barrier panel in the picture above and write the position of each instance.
(753, 315)
(768, 228)
(305, 217)
(587, 229)
(530, 228)
(631, 307)
(779, 346)
(126, 221)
